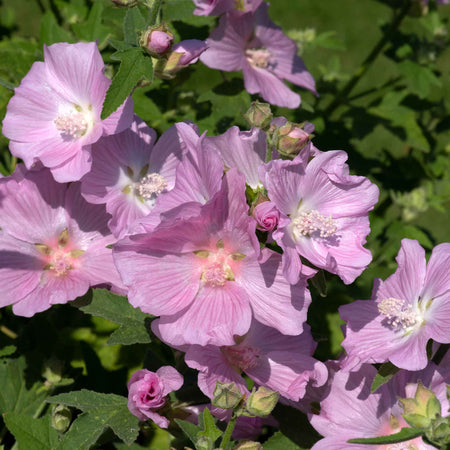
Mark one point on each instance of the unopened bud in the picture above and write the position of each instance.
(266, 215)
(204, 443)
(259, 115)
(261, 402)
(61, 418)
(291, 138)
(156, 40)
(422, 409)
(248, 445)
(226, 395)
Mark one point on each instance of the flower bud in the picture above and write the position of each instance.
(291, 138)
(259, 115)
(182, 55)
(157, 40)
(266, 215)
(248, 445)
(262, 401)
(204, 443)
(421, 410)
(226, 395)
(61, 418)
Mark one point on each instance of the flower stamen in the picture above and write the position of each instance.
(310, 222)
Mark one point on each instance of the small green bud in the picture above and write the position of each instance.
(226, 395)
(262, 401)
(61, 418)
(204, 443)
(248, 445)
(291, 138)
(259, 115)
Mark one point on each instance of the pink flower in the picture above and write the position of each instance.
(350, 411)
(278, 362)
(147, 392)
(54, 116)
(409, 308)
(252, 43)
(218, 7)
(208, 274)
(324, 213)
(53, 244)
(190, 51)
(159, 41)
(130, 173)
(266, 215)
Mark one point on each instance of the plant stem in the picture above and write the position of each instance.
(154, 6)
(229, 430)
(395, 23)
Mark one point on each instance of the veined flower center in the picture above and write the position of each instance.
(398, 313)
(150, 186)
(241, 356)
(74, 123)
(259, 57)
(309, 222)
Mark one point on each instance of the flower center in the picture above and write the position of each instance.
(150, 186)
(398, 314)
(241, 357)
(258, 57)
(73, 123)
(309, 222)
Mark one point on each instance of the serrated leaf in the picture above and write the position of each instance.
(134, 66)
(405, 434)
(83, 433)
(132, 321)
(119, 45)
(385, 373)
(132, 24)
(280, 442)
(51, 32)
(420, 78)
(210, 429)
(190, 430)
(31, 434)
(14, 395)
(102, 410)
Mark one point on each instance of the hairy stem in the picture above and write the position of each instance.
(229, 430)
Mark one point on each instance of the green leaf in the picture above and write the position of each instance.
(404, 434)
(7, 351)
(14, 394)
(31, 434)
(280, 442)
(134, 66)
(7, 84)
(385, 373)
(177, 10)
(210, 429)
(133, 322)
(132, 24)
(420, 78)
(102, 410)
(190, 430)
(51, 32)
(119, 45)
(92, 29)
(401, 117)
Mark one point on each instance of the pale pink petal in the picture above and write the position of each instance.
(171, 378)
(437, 279)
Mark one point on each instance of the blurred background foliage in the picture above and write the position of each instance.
(383, 75)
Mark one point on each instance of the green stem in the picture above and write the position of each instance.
(154, 6)
(229, 430)
(395, 23)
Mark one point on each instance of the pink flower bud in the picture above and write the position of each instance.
(266, 215)
(147, 392)
(159, 41)
(190, 50)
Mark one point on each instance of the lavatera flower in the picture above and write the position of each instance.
(207, 277)
(409, 308)
(53, 244)
(54, 115)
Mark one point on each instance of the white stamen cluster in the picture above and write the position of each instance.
(151, 186)
(72, 124)
(259, 57)
(307, 223)
(397, 313)
(215, 274)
